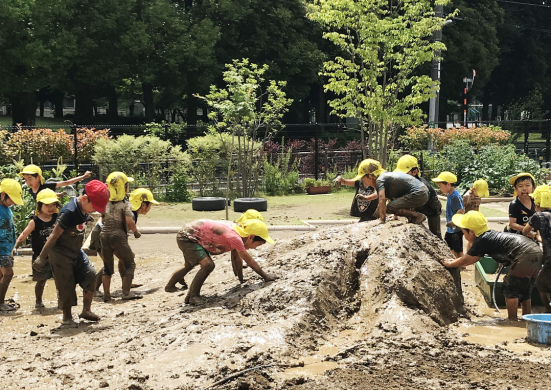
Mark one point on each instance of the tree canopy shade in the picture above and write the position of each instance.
(375, 79)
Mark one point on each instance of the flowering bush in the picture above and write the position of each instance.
(418, 138)
(86, 141)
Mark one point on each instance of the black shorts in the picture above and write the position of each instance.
(454, 241)
(520, 288)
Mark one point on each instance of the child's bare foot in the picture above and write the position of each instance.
(68, 321)
(5, 307)
(195, 300)
(418, 218)
(184, 285)
(131, 296)
(170, 289)
(106, 298)
(88, 315)
(135, 285)
(39, 305)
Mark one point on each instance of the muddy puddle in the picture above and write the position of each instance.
(357, 306)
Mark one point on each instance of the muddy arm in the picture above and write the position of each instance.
(237, 265)
(254, 265)
(462, 261)
(56, 233)
(382, 205)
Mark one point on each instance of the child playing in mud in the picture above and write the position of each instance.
(32, 174)
(454, 204)
(433, 208)
(522, 207)
(363, 204)
(473, 197)
(236, 261)
(405, 193)
(39, 228)
(203, 237)
(521, 254)
(116, 220)
(540, 222)
(10, 194)
(63, 249)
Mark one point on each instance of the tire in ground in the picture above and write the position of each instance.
(244, 204)
(208, 203)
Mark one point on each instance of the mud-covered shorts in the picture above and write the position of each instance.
(6, 261)
(520, 288)
(95, 243)
(116, 243)
(44, 274)
(70, 271)
(454, 241)
(193, 252)
(410, 201)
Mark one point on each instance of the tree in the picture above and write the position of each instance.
(376, 78)
(247, 105)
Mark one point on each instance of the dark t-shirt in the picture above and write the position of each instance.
(40, 234)
(522, 214)
(73, 222)
(51, 186)
(397, 184)
(433, 206)
(507, 248)
(541, 222)
(360, 207)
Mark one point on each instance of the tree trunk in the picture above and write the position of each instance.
(23, 106)
(486, 105)
(191, 111)
(147, 90)
(84, 105)
(57, 99)
(113, 109)
(41, 109)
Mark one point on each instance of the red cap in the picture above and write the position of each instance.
(98, 194)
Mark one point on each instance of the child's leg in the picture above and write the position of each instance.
(512, 308)
(7, 275)
(526, 307)
(178, 276)
(207, 266)
(67, 316)
(38, 292)
(87, 306)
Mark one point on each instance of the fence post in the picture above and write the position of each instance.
(547, 140)
(526, 136)
(316, 154)
(75, 156)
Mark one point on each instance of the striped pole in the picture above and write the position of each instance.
(465, 105)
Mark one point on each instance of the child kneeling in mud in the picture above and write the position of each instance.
(521, 254)
(541, 222)
(203, 237)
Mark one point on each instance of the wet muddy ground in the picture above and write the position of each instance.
(358, 306)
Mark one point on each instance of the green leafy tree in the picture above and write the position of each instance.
(376, 79)
(246, 107)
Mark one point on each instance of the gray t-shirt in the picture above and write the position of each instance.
(397, 184)
(115, 215)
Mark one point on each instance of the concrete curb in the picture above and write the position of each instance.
(486, 200)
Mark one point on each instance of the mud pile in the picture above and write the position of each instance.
(373, 280)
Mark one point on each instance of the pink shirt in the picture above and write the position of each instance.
(215, 236)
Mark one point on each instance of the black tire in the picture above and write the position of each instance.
(244, 204)
(208, 203)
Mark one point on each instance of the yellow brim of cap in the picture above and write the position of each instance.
(402, 170)
(484, 194)
(456, 219)
(130, 178)
(242, 233)
(358, 177)
(50, 200)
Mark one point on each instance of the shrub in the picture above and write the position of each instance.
(282, 177)
(177, 191)
(418, 138)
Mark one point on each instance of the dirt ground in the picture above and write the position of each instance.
(355, 306)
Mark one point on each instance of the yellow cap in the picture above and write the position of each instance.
(13, 189)
(253, 226)
(140, 195)
(406, 163)
(47, 196)
(116, 181)
(33, 170)
(250, 214)
(472, 220)
(523, 174)
(481, 187)
(447, 177)
(369, 166)
(542, 196)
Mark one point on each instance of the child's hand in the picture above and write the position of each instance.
(137, 234)
(87, 174)
(39, 264)
(447, 262)
(270, 278)
(450, 224)
(338, 180)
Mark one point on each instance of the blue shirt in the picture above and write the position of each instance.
(453, 205)
(7, 231)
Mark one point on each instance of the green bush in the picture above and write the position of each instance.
(282, 177)
(177, 191)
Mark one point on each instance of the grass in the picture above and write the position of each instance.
(282, 210)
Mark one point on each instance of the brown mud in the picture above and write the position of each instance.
(356, 306)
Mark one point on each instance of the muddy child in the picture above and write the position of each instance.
(32, 174)
(522, 255)
(454, 204)
(117, 220)
(202, 238)
(540, 222)
(39, 228)
(364, 203)
(522, 207)
(473, 197)
(236, 261)
(405, 193)
(10, 194)
(63, 249)
(433, 208)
